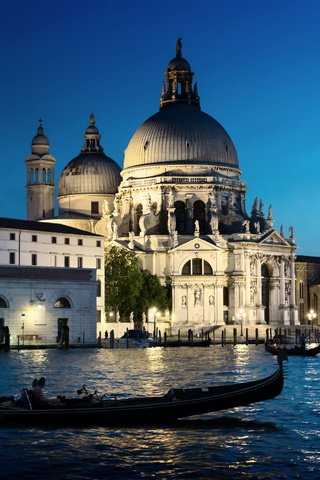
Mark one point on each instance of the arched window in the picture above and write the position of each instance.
(199, 214)
(139, 211)
(197, 266)
(181, 221)
(44, 176)
(49, 176)
(36, 176)
(315, 302)
(225, 297)
(3, 303)
(265, 281)
(31, 176)
(62, 302)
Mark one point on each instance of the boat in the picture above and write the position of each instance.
(133, 338)
(177, 403)
(296, 350)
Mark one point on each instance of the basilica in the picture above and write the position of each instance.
(180, 203)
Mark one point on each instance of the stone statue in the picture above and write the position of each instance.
(183, 301)
(246, 225)
(196, 228)
(105, 208)
(257, 227)
(255, 205)
(261, 207)
(131, 240)
(114, 231)
(197, 296)
(211, 300)
(175, 238)
(116, 203)
(291, 230)
(281, 231)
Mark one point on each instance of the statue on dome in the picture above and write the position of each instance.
(257, 226)
(179, 48)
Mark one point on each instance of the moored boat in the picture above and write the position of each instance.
(133, 338)
(175, 404)
(299, 351)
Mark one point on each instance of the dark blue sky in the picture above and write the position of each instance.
(257, 67)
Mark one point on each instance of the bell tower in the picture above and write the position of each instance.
(40, 178)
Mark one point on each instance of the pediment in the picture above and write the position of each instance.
(196, 245)
(274, 238)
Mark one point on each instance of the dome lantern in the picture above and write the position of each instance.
(178, 86)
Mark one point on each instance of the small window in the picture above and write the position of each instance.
(34, 259)
(67, 262)
(98, 243)
(80, 262)
(12, 258)
(98, 263)
(53, 239)
(12, 236)
(94, 207)
(187, 268)
(34, 238)
(98, 288)
(80, 241)
(62, 302)
(98, 316)
(67, 241)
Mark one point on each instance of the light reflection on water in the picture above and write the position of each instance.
(275, 439)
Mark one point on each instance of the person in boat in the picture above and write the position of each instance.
(39, 399)
(303, 341)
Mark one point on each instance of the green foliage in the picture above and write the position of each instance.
(123, 280)
(130, 289)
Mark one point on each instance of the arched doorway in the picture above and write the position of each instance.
(265, 294)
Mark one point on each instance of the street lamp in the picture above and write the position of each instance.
(23, 317)
(155, 315)
(311, 316)
(241, 316)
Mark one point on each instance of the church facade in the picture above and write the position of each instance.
(180, 204)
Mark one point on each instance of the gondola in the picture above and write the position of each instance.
(302, 352)
(175, 404)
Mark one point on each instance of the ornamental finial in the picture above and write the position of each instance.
(179, 47)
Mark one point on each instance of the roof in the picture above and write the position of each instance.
(42, 227)
(307, 259)
(44, 273)
(181, 134)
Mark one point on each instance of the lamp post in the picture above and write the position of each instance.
(241, 316)
(23, 317)
(311, 316)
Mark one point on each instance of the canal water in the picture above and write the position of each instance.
(279, 438)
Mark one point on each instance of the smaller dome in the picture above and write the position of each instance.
(179, 63)
(92, 129)
(90, 173)
(40, 138)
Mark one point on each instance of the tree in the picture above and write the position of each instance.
(123, 279)
(153, 294)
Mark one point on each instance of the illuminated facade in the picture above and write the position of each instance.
(181, 206)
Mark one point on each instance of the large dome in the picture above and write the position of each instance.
(181, 133)
(91, 173)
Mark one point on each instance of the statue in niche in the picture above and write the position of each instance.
(184, 301)
(196, 228)
(211, 300)
(197, 296)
